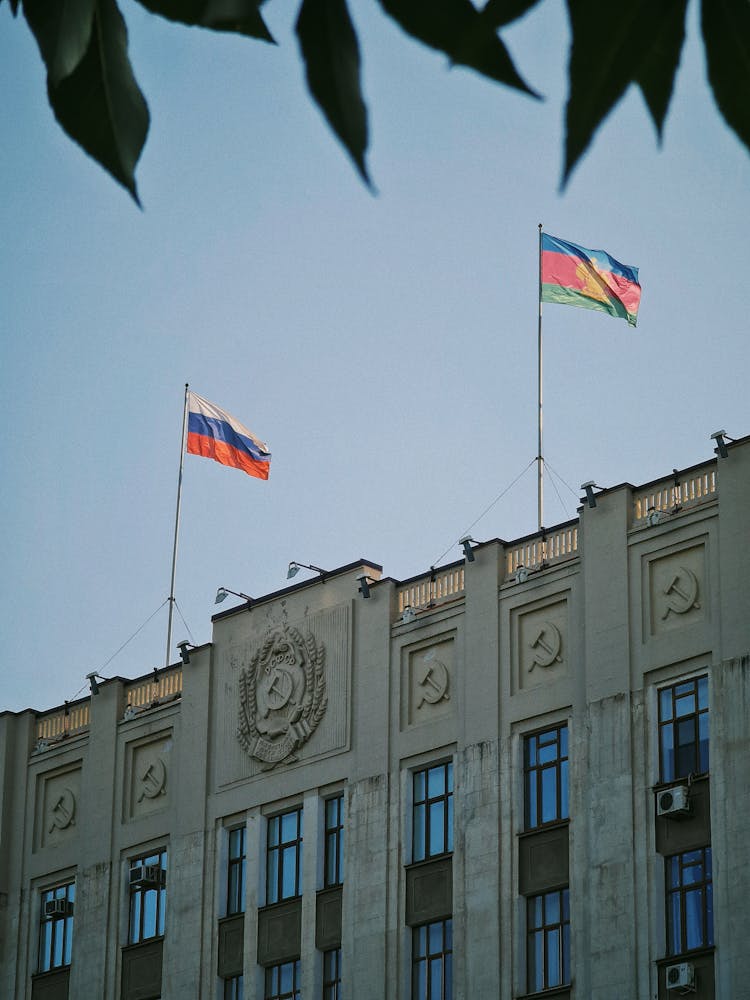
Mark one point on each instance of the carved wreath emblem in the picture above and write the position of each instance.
(282, 695)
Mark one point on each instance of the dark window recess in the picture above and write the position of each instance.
(56, 927)
(432, 831)
(334, 842)
(683, 729)
(432, 961)
(548, 941)
(690, 905)
(546, 777)
(283, 982)
(147, 878)
(284, 856)
(234, 988)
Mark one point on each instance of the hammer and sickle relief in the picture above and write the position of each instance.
(153, 778)
(546, 646)
(62, 813)
(682, 592)
(432, 678)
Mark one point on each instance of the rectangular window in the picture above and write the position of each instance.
(236, 871)
(56, 927)
(234, 988)
(683, 729)
(690, 904)
(546, 777)
(334, 842)
(148, 896)
(432, 961)
(283, 982)
(332, 974)
(548, 940)
(284, 856)
(432, 832)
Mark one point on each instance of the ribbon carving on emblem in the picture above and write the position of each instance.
(282, 696)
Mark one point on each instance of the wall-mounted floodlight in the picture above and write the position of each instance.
(465, 543)
(522, 574)
(590, 487)
(295, 567)
(364, 585)
(721, 438)
(653, 517)
(223, 592)
(408, 614)
(184, 647)
(92, 678)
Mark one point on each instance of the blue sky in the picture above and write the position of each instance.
(384, 346)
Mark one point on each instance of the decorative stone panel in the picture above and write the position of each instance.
(426, 681)
(279, 932)
(58, 794)
(141, 971)
(539, 634)
(543, 860)
(231, 946)
(328, 919)
(50, 985)
(676, 589)
(148, 766)
(429, 891)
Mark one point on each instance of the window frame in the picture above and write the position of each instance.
(277, 971)
(423, 959)
(421, 833)
(332, 973)
(680, 892)
(234, 988)
(138, 901)
(561, 927)
(275, 887)
(60, 928)
(534, 773)
(236, 871)
(671, 722)
(333, 842)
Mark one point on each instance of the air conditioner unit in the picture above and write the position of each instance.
(147, 876)
(58, 908)
(681, 976)
(674, 802)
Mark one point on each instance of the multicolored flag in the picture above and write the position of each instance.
(214, 433)
(591, 279)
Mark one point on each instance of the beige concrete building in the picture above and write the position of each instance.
(523, 774)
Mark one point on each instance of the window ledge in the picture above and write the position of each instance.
(662, 786)
(554, 825)
(553, 991)
(685, 956)
(428, 861)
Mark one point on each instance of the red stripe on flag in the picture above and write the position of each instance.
(220, 451)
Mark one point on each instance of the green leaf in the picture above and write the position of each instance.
(457, 28)
(331, 52)
(99, 104)
(241, 16)
(614, 46)
(62, 31)
(726, 35)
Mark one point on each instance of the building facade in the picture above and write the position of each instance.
(526, 774)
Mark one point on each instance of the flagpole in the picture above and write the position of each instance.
(539, 458)
(176, 526)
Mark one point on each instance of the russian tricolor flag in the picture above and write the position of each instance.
(214, 433)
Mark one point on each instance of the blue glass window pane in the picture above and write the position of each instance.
(341, 854)
(419, 833)
(273, 831)
(436, 979)
(566, 953)
(45, 946)
(565, 904)
(287, 977)
(135, 918)
(419, 786)
(549, 794)
(703, 692)
(449, 771)
(289, 826)
(448, 977)
(665, 705)
(667, 754)
(449, 845)
(553, 958)
(420, 981)
(552, 908)
(57, 947)
(531, 751)
(673, 872)
(536, 911)
(709, 914)
(707, 858)
(421, 941)
(272, 878)
(694, 918)
(149, 913)
(692, 874)
(531, 799)
(436, 781)
(435, 933)
(162, 912)
(288, 872)
(564, 813)
(547, 753)
(437, 838)
(563, 741)
(536, 962)
(449, 935)
(68, 940)
(703, 742)
(673, 921)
